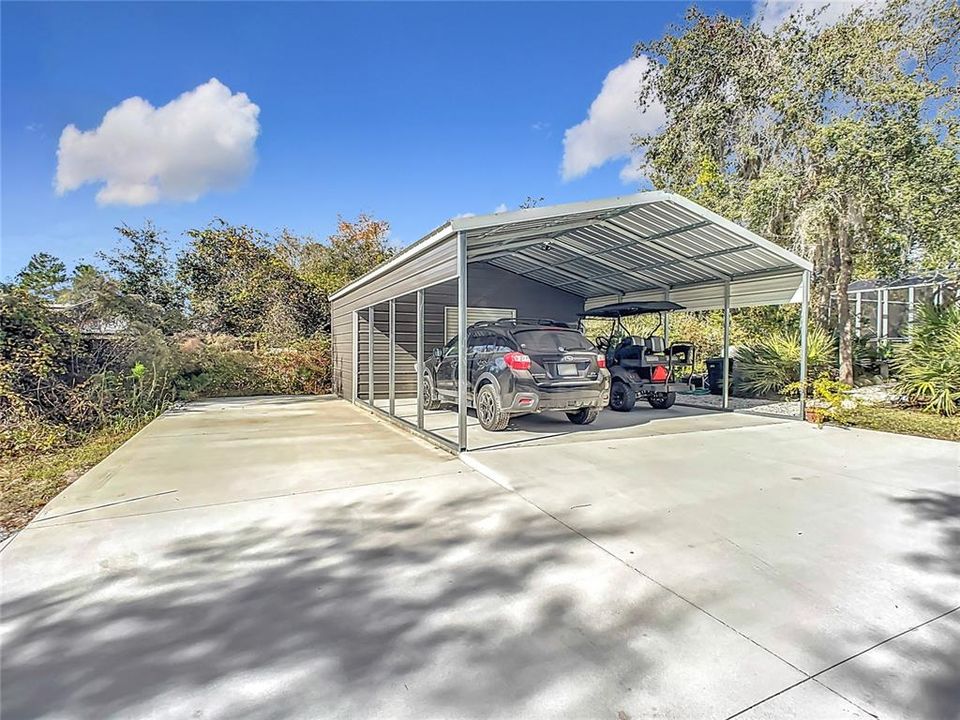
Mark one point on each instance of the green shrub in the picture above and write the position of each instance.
(928, 367)
(772, 363)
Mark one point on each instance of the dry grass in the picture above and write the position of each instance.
(30, 480)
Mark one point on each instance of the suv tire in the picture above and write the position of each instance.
(622, 397)
(583, 416)
(430, 399)
(661, 401)
(489, 411)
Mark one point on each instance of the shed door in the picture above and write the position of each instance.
(474, 315)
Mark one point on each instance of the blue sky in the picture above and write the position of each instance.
(411, 112)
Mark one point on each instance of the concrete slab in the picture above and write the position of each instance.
(804, 702)
(815, 543)
(232, 450)
(418, 589)
(296, 558)
(554, 428)
(915, 676)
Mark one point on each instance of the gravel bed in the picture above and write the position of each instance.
(758, 405)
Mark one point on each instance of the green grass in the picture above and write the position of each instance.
(902, 421)
(29, 480)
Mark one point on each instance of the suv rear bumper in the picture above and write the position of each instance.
(528, 397)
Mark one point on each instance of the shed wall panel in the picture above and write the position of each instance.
(435, 265)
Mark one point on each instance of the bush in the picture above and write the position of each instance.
(215, 367)
(928, 367)
(772, 363)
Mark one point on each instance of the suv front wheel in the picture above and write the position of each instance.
(430, 399)
(489, 411)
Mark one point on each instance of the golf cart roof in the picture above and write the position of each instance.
(631, 308)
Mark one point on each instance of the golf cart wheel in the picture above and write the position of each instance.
(622, 397)
(430, 399)
(583, 416)
(489, 412)
(661, 401)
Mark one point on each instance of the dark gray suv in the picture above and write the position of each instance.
(519, 366)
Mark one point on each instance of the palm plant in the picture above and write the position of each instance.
(928, 367)
(772, 363)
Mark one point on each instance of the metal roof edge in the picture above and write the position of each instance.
(740, 229)
(477, 222)
(412, 250)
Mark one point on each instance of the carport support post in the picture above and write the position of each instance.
(726, 344)
(666, 320)
(420, 359)
(392, 358)
(370, 322)
(462, 344)
(804, 320)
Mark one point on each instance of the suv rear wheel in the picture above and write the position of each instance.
(583, 416)
(489, 411)
(661, 401)
(622, 397)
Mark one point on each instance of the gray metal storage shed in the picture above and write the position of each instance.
(550, 262)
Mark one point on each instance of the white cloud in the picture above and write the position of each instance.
(613, 119)
(636, 170)
(502, 207)
(464, 215)
(771, 13)
(201, 141)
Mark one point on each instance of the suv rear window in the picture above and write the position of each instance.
(551, 340)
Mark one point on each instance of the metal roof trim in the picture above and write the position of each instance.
(442, 233)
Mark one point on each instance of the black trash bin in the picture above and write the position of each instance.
(715, 375)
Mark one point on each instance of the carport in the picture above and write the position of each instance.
(551, 262)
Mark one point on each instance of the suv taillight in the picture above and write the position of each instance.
(517, 361)
(601, 360)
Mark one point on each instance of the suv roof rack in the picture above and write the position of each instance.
(540, 322)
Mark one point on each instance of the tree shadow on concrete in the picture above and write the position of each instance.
(379, 605)
(942, 509)
(918, 673)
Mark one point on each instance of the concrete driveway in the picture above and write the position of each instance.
(295, 558)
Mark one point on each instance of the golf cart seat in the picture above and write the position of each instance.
(629, 352)
(633, 351)
(654, 344)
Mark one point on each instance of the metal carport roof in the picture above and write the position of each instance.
(643, 247)
(633, 247)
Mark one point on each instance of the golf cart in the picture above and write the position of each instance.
(641, 367)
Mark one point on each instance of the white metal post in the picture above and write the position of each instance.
(666, 320)
(883, 324)
(370, 323)
(804, 321)
(726, 344)
(392, 357)
(355, 347)
(420, 359)
(462, 342)
(911, 311)
(879, 315)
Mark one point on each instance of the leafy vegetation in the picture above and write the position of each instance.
(928, 367)
(772, 363)
(837, 140)
(85, 357)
